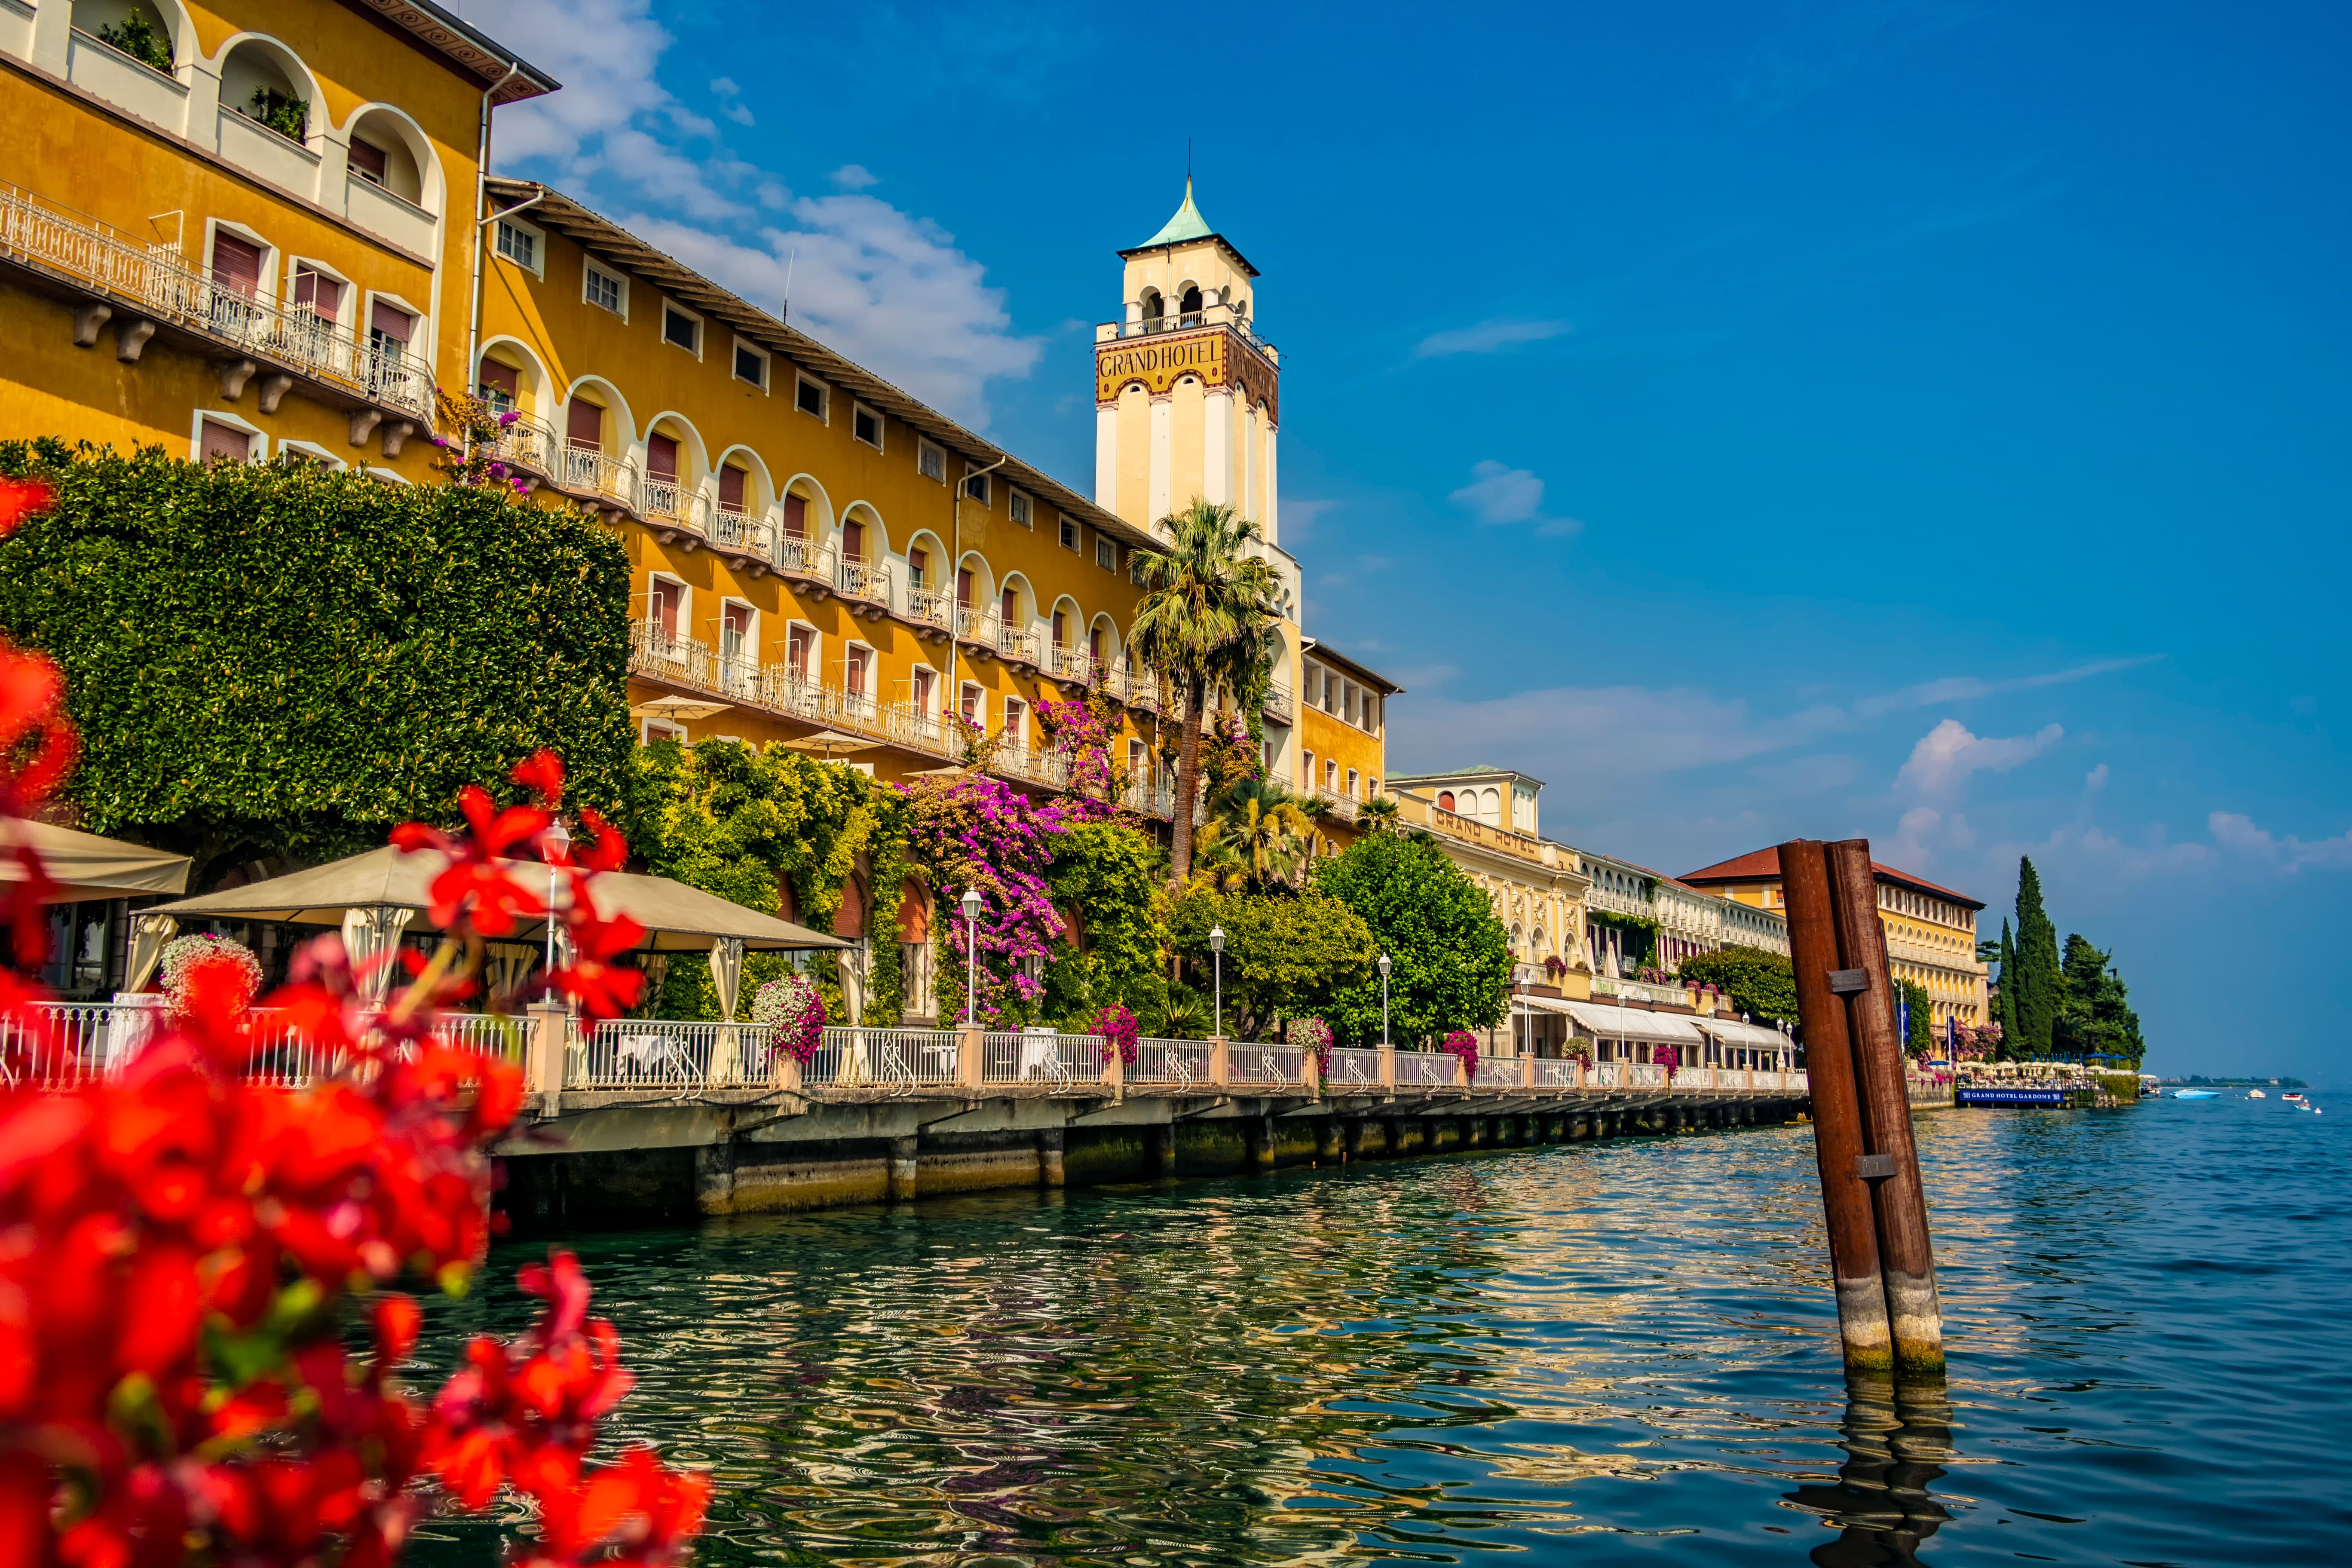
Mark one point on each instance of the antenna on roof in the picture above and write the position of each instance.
(791, 257)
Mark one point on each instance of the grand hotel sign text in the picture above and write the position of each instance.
(1157, 366)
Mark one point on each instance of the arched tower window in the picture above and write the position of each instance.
(1155, 313)
(1190, 305)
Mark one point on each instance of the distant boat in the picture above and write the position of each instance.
(2292, 1099)
(2256, 1094)
(2192, 1094)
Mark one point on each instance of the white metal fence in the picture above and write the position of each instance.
(62, 1044)
(1164, 1061)
(1269, 1064)
(1353, 1068)
(882, 1059)
(1041, 1057)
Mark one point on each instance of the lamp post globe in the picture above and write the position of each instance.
(971, 906)
(554, 847)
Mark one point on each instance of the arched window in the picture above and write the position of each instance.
(259, 84)
(1155, 313)
(1189, 306)
(1445, 800)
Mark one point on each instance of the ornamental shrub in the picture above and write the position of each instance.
(1314, 1037)
(1463, 1044)
(265, 660)
(1667, 1057)
(793, 1015)
(184, 955)
(1119, 1029)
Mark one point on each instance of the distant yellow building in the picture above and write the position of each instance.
(1931, 932)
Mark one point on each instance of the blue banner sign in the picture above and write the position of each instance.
(2015, 1097)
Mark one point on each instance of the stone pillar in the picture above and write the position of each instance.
(1481, 1131)
(1049, 1158)
(1331, 1140)
(1351, 1133)
(1388, 1066)
(1221, 1063)
(972, 1060)
(714, 1177)
(902, 1169)
(546, 1053)
(1257, 1136)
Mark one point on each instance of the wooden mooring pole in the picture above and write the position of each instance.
(1837, 1111)
(1870, 1195)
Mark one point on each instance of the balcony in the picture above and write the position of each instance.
(671, 509)
(596, 477)
(804, 559)
(1342, 806)
(866, 583)
(930, 607)
(778, 691)
(733, 530)
(1074, 666)
(146, 289)
(1016, 644)
(1278, 705)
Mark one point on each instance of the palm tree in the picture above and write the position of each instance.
(1260, 829)
(1208, 615)
(1377, 815)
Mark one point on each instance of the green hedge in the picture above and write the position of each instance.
(267, 661)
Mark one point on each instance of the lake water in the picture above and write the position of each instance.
(1619, 1351)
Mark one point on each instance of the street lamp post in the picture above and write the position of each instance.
(554, 847)
(1384, 1000)
(971, 957)
(1217, 956)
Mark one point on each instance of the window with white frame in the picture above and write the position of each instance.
(1069, 532)
(681, 328)
(661, 729)
(224, 438)
(975, 486)
(1016, 723)
(923, 690)
(799, 650)
(521, 244)
(1018, 508)
(808, 396)
(309, 455)
(972, 703)
(1106, 554)
(606, 290)
(930, 462)
(866, 425)
(751, 363)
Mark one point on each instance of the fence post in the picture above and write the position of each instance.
(1114, 1068)
(785, 1075)
(1461, 1073)
(544, 1055)
(1907, 1257)
(1220, 1062)
(1310, 1073)
(971, 1059)
(1388, 1067)
(1838, 1143)
(1527, 1072)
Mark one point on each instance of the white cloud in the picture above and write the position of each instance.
(2097, 779)
(1300, 515)
(2238, 835)
(1962, 688)
(887, 288)
(1946, 755)
(1487, 337)
(854, 177)
(1497, 495)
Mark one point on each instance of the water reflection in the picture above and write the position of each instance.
(1620, 1351)
(1897, 1439)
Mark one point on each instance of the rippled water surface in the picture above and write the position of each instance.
(1617, 1351)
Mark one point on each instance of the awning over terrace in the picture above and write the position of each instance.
(1604, 1022)
(1732, 1032)
(85, 866)
(676, 918)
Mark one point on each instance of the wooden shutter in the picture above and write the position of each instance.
(661, 459)
(391, 321)
(797, 651)
(322, 294)
(963, 587)
(664, 606)
(223, 441)
(852, 540)
(917, 564)
(368, 161)
(731, 490)
(501, 380)
(584, 424)
(795, 517)
(856, 671)
(1008, 607)
(236, 264)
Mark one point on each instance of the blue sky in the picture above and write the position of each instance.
(1925, 421)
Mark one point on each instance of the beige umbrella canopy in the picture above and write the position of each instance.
(831, 743)
(676, 918)
(85, 866)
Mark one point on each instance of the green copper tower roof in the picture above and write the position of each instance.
(1188, 223)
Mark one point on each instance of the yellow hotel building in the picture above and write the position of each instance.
(247, 232)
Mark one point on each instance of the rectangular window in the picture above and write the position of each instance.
(1352, 784)
(224, 442)
(1106, 554)
(796, 517)
(855, 669)
(661, 457)
(1017, 507)
(1371, 713)
(1135, 568)
(972, 705)
(368, 161)
(1138, 759)
(930, 462)
(734, 631)
(750, 365)
(800, 647)
(1016, 722)
(922, 689)
(731, 490)
(682, 330)
(320, 295)
(975, 486)
(918, 568)
(519, 244)
(501, 385)
(584, 425)
(963, 587)
(664, 599)
(236, 264)
(1069, 532)
(853, 540)
(866, 425)
(606, 290)
(808, 396)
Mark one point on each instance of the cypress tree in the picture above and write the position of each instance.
(2005, 1005)
(2038, 977)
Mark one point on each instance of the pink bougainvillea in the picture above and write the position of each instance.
(1119, 1029)
(981, 834)
(793, 1015)
(1463, 1044)
(1314, 1036)
(1667, 1057)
